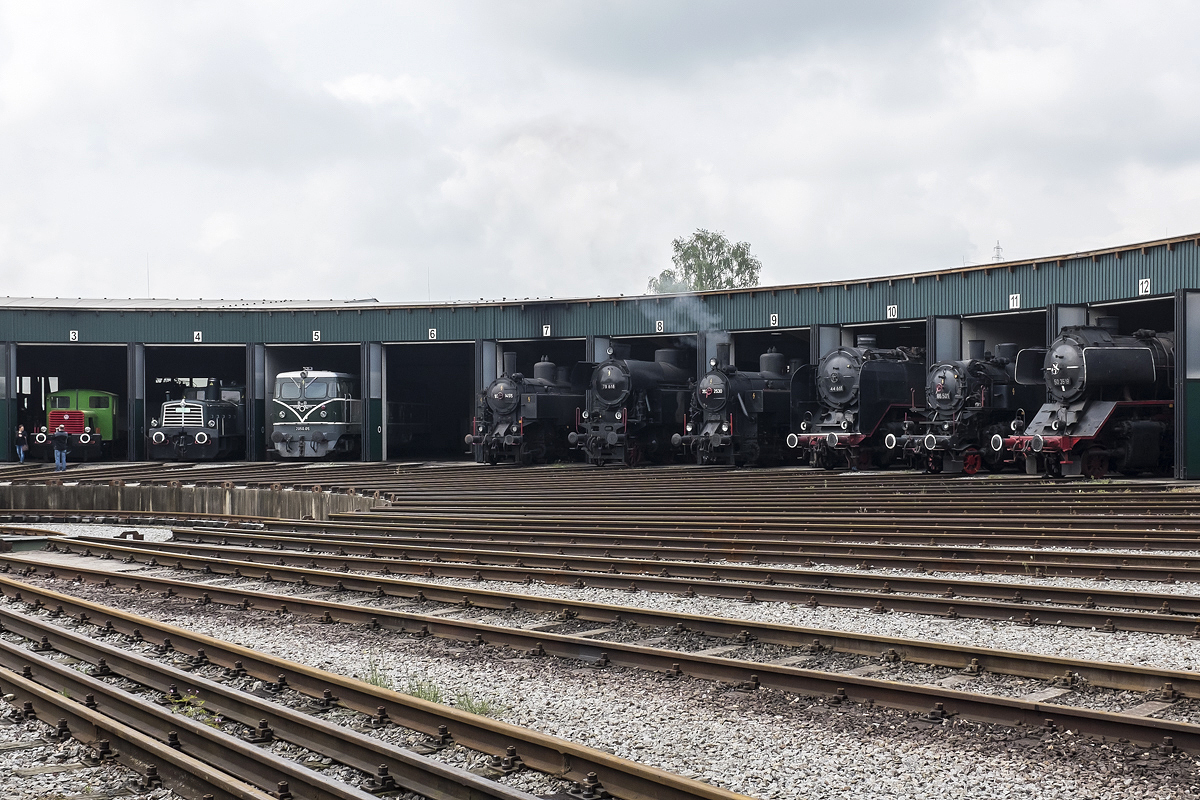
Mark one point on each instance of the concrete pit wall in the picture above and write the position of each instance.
(177, 500)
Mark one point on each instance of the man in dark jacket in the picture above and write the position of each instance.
(61, 440)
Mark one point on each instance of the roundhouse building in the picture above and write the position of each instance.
(419, 367)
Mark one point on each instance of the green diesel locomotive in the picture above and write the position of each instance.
(91, 419)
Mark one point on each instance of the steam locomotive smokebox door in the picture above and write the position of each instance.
(1030, 362)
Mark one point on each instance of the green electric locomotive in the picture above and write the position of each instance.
(90, 418)
(315, 414)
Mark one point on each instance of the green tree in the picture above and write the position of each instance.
(707, 261)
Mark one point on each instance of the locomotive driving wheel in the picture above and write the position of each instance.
(972, 461)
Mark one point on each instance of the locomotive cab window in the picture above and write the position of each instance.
(60, 402)
(97, 402)
(344, 389)
(317, 390)
(288, 390)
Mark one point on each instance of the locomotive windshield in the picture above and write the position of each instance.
(502, 396)
(838, 379)
(712, 391)
(311, 389)
(611, 384)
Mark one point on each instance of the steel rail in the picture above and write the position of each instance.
(1160, 568)
(623, 778)
(1048, 537)
(185, 775)
(1101, 619)
(219, 750)
(940, 702)
(951, 655)
(413, 772)
(731, 581)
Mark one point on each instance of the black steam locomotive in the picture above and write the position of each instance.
(739, 417)
(1109, 403)
(967, 404)
(864, 393)
(521, 420)
(206, 423)
(631, 409)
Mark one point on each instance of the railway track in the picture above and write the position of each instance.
(935, 703)
(750, 583)
(389, 767)
(378, 582)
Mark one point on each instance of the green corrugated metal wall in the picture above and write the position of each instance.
(1113, 275)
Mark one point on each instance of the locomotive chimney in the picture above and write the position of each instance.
(772, 361)
(544, 370)
(1110, 324)
(723, 354)
(864, 340)
(510, 363)
(1007, 350)
(975, 348)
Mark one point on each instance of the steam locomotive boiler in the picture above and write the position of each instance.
(739, 417)
(631, 409)
(207, 423)
(968, 402)
(863, 394)
(1109, 403)
(521, 420)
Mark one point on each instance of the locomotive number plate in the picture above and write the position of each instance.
(943, 395)
(1061, 381)
(303, 428)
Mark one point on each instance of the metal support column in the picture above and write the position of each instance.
(943, 339)
(487, 358)
(135, 409)
(256, 402)
(597, 348)
(706, 349)
(823, 339)
(9, 400)
(1187, 384)
(1060, 316)
(374, 424)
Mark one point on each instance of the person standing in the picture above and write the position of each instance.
(22, 443)
(61, 440)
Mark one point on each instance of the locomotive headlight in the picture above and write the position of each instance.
(515, 428)
(1055, 425)
(724, 427)
(803, 426)
(87, 429)
(689, 427)
(153, 423)
(845, 424)
(281, 415)
(619, 415)
(212, 423)
(324, 414)
(945, 426)
(585, 415)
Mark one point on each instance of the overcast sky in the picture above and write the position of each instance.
(465, 150)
